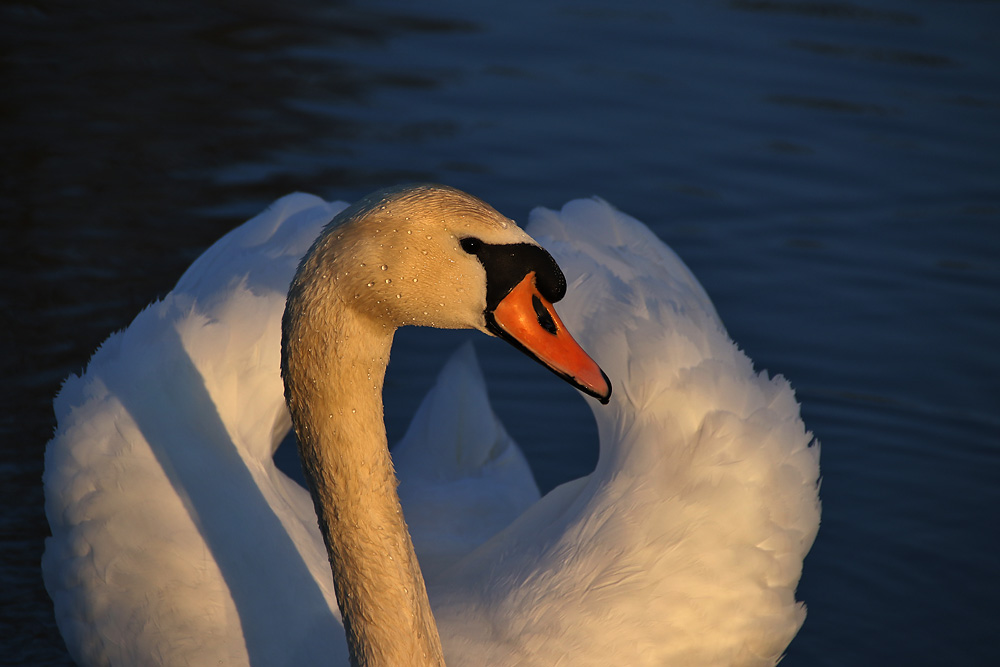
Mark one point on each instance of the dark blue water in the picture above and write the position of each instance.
(830, 171)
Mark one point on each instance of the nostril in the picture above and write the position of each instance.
(544, 317)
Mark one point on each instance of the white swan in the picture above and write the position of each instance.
(176, 540)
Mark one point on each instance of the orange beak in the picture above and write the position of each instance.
(527, 320)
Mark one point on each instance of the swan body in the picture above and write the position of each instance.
(457, 448)
(177, 541)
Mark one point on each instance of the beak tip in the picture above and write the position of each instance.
(603, 396)
(606, 398)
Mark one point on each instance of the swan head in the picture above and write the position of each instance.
(431, 255)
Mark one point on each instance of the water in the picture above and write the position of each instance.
(830, 171)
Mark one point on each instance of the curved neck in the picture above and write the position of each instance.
(333, 363)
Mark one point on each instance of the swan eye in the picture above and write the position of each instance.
(471, 245)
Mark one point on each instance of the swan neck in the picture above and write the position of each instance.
(334, 368)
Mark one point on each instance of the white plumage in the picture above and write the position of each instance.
(177, 541)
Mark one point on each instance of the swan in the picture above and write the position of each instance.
(175, 539)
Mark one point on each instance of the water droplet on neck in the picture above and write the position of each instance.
(384, 267)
